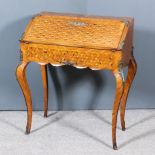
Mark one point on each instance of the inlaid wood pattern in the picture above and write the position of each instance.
(73, 31)
(78, 57)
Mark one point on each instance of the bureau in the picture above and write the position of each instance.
(95, 42)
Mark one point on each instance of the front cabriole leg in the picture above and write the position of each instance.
(132, 68)
(119, 92)
(21, 77)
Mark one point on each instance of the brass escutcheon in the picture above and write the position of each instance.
(77, 23)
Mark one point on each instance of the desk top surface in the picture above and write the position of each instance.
(76, 31)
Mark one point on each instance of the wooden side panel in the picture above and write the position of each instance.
(128, 43)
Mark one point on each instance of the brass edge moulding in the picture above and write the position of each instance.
(21, 56)
(125, 21)
(121, 45)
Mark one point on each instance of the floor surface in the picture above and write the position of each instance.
(77, 133)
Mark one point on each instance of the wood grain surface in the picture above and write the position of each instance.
(84, 42)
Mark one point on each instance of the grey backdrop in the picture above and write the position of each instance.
(70, 88)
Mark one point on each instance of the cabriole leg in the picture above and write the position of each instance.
(21, 77)
(132, 68)
(119, 92)
(45, 87)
